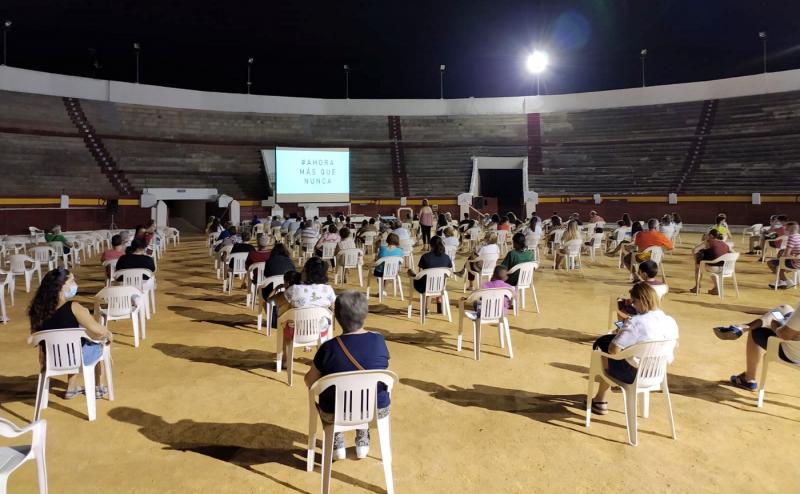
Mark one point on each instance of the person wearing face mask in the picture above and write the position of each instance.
(52, 308)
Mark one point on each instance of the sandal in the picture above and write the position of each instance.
(73, 393)
(100, 392)
(600, 407)
(728, 333)
(740, 382)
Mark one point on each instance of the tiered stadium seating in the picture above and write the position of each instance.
(35, 113)
(639, 150)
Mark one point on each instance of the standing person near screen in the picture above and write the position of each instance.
(425, 223)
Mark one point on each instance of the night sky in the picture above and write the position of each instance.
(395, 47)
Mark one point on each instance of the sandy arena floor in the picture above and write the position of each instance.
(199, 407)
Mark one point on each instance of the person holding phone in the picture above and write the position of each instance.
(781, 322)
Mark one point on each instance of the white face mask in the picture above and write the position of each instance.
(71, 292)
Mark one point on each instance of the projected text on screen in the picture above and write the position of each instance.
(312, 174)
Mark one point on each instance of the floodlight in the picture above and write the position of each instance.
(762, 34)
(137, 46)
(537, 62)
(643, 52)
(250, 60)
(7, 24)
(441, 67)
(346, 67)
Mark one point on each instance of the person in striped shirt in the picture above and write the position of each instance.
(791, 249)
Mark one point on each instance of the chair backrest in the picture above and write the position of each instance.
(308, 323)
(58, 247)
(435, 280)
(258, 267)
(557, 234)
(350, 257)
(239, 259)
(656, 254)
(133, 277)
(754, 229)
(369, 236)
(391, 266)
(17, 262)
(407, 245)
(489, 263)
(597, 240)
(619, 233)
(111, 266)
(653, 356)
(493, 302)
(501, 237)
(661, 290)
(44, 254)
(62, 349)
(525, 277)
(272, 280)
(356, 394)
(119, 299)
(328, 250)
(451, 251)
(474, 233)
(729, 263)
(573, 247)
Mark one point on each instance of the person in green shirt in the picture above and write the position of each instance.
(55, 235)
(517, 256)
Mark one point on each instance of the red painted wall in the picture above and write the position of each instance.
(16, 220)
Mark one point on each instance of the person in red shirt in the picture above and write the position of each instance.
(116, 251)
(646, 239)
(712, 248)
(260, 253)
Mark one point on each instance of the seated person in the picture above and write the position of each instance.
(347, 241)
(356, 349)
(244, 245)
(462, 225)
(667, 228)
(648, 270)
(590, 240)
(770, 235)
(278, 264)
(392, 248)
(710, 249)
(261, 253)
(533, 233)
(499, 280)
(401, 232)
(517, 255)
(312, 291)
(649, 324)
(555, 225)
(790, 249)
(435, 258)
(329, 237)
(308, 233)
(136, 259)
(55, 235)
(450, 237)
(474, 263)
(116, 251)
(596, 219)
(781, 322)
(52, 308)
(573, 233)
(644, 240)
(504, 224)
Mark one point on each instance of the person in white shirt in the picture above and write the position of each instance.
(400, 231)
(450, 237)
(487, 248)
(286, 223)
(649, 324)
(781, 322)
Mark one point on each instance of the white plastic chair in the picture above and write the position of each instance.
(572, 255)
(719, 273)
(110, 268)
(502, 243)
(238, 270)
(525, 281)
(135, 277)
(391, 272)
(349, 259)
(769, 250)
(487, 269)
(118, 301)
(59, 248)
(309, 323)
(597, 244)
(435, 286)
(492, 311)
(771, 355)
(266, 307)
(175, 235)
(751, 231)
(356, 408)
(651, 375)
(474, 237)
(795, 272)
(7, 283)
(12, 457)
(408, 251)
(254, 278)
(555, 244)
(328, 252)
(63, 355)
(18, 265)
(45, 255)
(369, 241)
(220, 258)
(657, 256)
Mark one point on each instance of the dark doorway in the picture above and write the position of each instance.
(506, 186)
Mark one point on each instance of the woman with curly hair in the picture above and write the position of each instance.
(52, 308)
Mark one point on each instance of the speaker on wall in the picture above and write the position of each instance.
(112, 206)
(478, 202)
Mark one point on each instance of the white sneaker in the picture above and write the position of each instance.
(339, 454)
(362, 452)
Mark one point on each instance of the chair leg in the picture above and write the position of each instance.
(399, 286)
(668, 399)
(385, 438)
(476, 339)
(89, 385)
(501, 333)
(630, 413)
(108, 370)
(42, 389)
(327, 457)
(508, 338)
(312, 440)
(290, 362)
(135, 320)
(589, 390)
(446, 302)
(41, 470)
(278, 348)
(646, 404)
(535, 298)
(762, 383)
(736, 285)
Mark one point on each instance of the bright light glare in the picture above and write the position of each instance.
(537, 62)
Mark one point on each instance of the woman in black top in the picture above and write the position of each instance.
(278, 264)
(435, 258)
(52, 308)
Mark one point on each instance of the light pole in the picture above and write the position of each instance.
(537, 63)
(137, 48)
(6, 27)
(347, 81)
(643, 55)
(763, 36)
(249, 67)
(441, 81)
